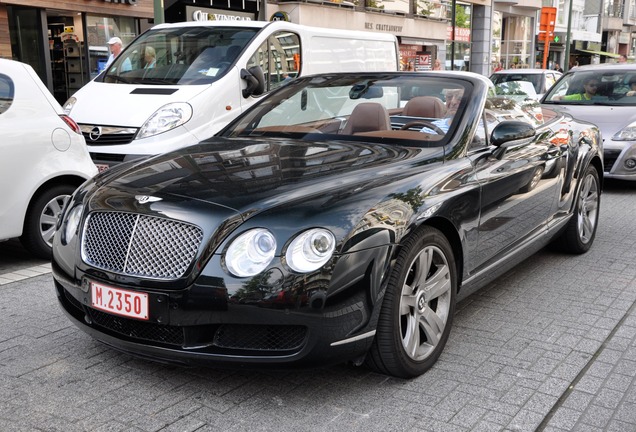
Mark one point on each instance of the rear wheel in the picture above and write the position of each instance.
(39, 224)
(418, 307)
(581, 229)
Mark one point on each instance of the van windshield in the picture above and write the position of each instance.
(184, 56)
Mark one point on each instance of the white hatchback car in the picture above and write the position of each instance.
(44, 158)
(541, 79)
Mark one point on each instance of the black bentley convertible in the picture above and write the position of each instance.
(339, 219)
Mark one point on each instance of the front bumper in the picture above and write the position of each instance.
(618, 157)
(219, 332)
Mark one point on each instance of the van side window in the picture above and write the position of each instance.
(6, 93)
(279, 58)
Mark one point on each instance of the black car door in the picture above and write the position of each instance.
(518, 193)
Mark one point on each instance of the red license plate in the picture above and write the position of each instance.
(119, 301)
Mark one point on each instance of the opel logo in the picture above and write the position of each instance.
(95, 133)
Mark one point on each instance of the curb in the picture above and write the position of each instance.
(24, 273)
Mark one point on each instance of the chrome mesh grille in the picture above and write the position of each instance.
(139, 245)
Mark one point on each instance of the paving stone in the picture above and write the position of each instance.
(512, 362)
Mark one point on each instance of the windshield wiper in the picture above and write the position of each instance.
(118, 78)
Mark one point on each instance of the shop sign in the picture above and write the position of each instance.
(68, 36)
(423, 61)
(279, 16)
(383, 27)
(218, 15)
(461, 34)
(409, 51)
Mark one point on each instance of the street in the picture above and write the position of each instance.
(550, 346)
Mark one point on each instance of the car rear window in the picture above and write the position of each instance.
(6, 93)
(535, 79)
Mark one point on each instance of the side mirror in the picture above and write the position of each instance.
(511, 130)
(255, 81)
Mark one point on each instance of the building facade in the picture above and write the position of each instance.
(66, 41)
(423, 27)
(514, 27)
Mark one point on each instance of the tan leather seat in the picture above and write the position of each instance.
(424, 106)
(366, 117)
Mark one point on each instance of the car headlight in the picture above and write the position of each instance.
(71, 223)
(626, 134)
(68, 105)
(250, 253)
(310, 250)
(166, 118)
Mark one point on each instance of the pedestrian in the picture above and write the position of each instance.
(558, 68)
(115, 46)
(437, 65)
(622, 59)
(498, 67)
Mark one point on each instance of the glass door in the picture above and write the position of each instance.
(26, 27)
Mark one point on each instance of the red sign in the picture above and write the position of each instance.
(461, 34)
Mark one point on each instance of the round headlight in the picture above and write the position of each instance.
(250, 253)
(73, 219)
(310, 250)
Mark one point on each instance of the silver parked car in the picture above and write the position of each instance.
(605, 95)
(541, 79)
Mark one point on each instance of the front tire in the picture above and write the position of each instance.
(580, 231)
(39, 224)
(418, 307)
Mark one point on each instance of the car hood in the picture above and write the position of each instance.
(141, 102)
(247, 176)
(609, 119)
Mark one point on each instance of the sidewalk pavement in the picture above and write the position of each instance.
(550, 346)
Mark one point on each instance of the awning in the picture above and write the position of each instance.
(603, 53)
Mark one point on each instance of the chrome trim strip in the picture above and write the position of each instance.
(354, 339)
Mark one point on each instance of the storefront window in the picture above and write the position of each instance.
(437, 9)
(516, 44)
(495, 60)
(99, 30)
(26, 40)
(462, 44)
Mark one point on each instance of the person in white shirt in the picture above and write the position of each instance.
(453, 99)
(115, 46)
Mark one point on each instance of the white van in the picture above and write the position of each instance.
(203, 75)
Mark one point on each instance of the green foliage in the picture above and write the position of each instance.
(374, 4)
(424, 7)
(462, 17)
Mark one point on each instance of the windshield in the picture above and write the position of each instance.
(423, 109)
(594, 87)
(185, 55)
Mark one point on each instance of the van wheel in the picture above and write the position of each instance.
(418, 307)
(41, 217)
